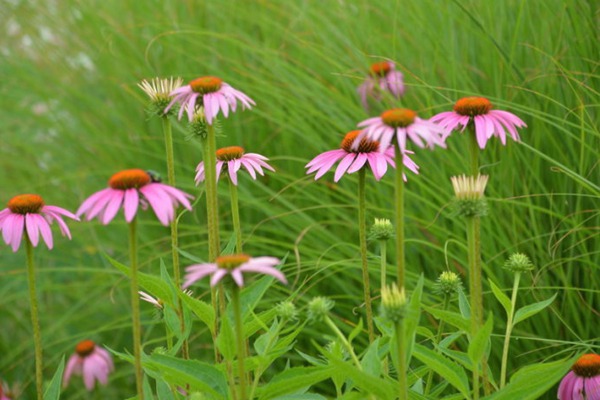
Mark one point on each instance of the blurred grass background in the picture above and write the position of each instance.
(72, 115)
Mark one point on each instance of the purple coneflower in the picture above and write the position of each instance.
(232, 159)
(383, 77)
(352, 158)
(28, 213)
(487, 122)
(91, 361)
(401, 123)
(233, 265)
(583, 382)
(214, 95)
(125, 188)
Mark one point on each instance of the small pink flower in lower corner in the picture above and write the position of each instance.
(351, 159)
(232, 159)
(211, 93)
(383, 77)
(92, 362)
(401, 124)
(234, 265)
(488, 122)
(28, 213)
(130, 189)
(583, 382)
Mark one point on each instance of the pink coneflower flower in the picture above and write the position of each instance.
(91, 361)
(232, 158)
(401, 123)
(214, 95)
(233, 265)
(125, 190)
(28, 213)
(3, 396)
(583, 382)
(352, 160)
(488, 122)
(383, 78)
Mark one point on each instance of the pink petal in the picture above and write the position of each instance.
(343, 166)
(358, 163)
(112, 208)
(45, 231)
(217, 276)
(31, 224)
(196, 272)
(17, 231)
(70, 369)
(130, 204)
(264, 269)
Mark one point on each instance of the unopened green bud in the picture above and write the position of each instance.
(518, 262)
(159, 91)
(287, 310)
(382, 229)
(393, 303)
(160, 350)
(448, 283)
(469, 200)
(318, 308)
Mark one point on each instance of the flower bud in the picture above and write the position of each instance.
(286, 310)
(448, 283)
(469, 201)
(382, 229)
(393, 303)
(319, 307)
(159, 91)
(518, 262)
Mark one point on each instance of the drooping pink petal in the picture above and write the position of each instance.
(592, 388)
(17, 231)
(196, 272)
(64, 229)
(217, 276)
(70, 369)
(130, 204)
(89, 373)
(236, 274)
(358, 163)
(249, 167)
(112, 207)
(177, 195)
(343, 166)
(160, 203)
(31, 224)
(59, 210)
(263, 269)
(91, 201)
(45, 231)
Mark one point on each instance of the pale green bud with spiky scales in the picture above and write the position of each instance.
(159, 91)
(469, 200)
(393, 303)
(287, 310)
(448, 283)
(199, 125)
(518, 262)
(318, 308)
(382, 229)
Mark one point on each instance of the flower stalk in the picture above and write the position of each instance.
(241, 342)
(135, 308)
(235, 216)
(509, 327)
(35, 321)
(401, 352)
(399, 204)
(362, 232)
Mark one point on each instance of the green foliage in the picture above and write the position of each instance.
(53, 390)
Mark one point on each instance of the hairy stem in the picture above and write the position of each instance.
(135, 308)
(241, 342)
(399, 204)
(344, 341)
(475, 288)
(362, 232)
(35, 321)
(509, 326)
(402, 370)
(235, 216)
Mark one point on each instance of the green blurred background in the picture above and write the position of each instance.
(72, 115)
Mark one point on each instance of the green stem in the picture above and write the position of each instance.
(362, 233)
(135, 309)
(260, 369)
(35, 321)
(241, 342)
(475, 288)
(235, 215)
(383, 261)
(166, 126)
(438, 338)
(344, 341)
(509, 326)
(399, 203)
(473, 151)
(402, 370)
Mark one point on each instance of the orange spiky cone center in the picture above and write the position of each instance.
(398, 117)
(26, 203)
(365, 145)
(380, 68)
(206, 84)
(129, 179)
(587, 366)
(231, 261)
(472, 106)
(85, 348)
(230, 153)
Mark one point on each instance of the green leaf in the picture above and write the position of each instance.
(53, 390)
(152, 284)
(501, 297)
(369, 383)
(532, 381)
(293, 379)
(412, 317)
(451, 372)
(479, 343)
(356, 331)
(202, 310)
(463, 305)
(370, 362)
(452, 318)
(199, 375)
(226, 339)
(532, 309)
(163, 390)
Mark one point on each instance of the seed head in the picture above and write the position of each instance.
(319, 307)
(448, 283)
(382, 229)
(287, 311)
